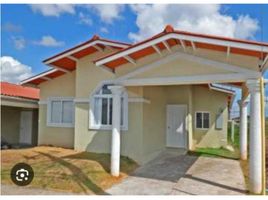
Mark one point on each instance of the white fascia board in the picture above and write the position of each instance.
(212, 87)
(184, 37)
(186, 80)
(38, 76)
(106, 43)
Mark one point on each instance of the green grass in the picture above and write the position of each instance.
(222, 152)
(217, 152)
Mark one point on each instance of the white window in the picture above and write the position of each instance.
(202, 120)
(101, 109)
(60, 112)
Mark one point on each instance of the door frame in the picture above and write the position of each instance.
(185, 121)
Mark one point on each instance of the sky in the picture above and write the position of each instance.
(32, 33)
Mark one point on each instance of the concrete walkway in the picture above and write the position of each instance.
(17, 190)
(173, 174)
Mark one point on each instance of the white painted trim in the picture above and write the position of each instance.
(209, 120)
(264, 62)
(183, 37)
(157, 50)
(91, 108)
(212, 87)
(84, 47)
(46, 78)
(63, 125)
(193, 45)
(59, 68)
(98, 48)
(138, 100)
(183, 44)
(131, 60)
(72, 58)
(185, 80)
(42, 102)
(38, 76)
(228, 52)
(81, 100)
(193, 58)
(167, 46)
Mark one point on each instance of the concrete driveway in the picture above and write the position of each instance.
(174, 174)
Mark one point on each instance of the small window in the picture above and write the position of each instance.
(202, 120)
(60, 112)
(101, 109)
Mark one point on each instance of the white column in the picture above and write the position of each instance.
(243, 134)
(115, 144)
(255, 144)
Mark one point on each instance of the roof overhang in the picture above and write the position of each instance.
(18, 102)
(170, 37)
(67, 59)
(42, 77)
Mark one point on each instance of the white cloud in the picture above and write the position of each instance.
(85, 19)
(49, 41)
(108, 12)
(54, 10)
(13, 71)
(104, 30)
(9, 27)
(19, 42)
(152, 19)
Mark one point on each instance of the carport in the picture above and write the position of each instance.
(19, 115)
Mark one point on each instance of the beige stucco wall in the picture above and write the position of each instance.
(146, 134)
(184, 67)
(214, 102)
(62, 86)
(197, 98)
(88, 77)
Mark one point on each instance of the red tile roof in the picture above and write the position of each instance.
(9, 89)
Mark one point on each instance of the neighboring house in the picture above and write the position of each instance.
(19, 114)
(136, 100)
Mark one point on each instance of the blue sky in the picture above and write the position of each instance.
(31, 33)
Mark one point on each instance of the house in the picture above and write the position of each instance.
(19, 115)
(136, 100)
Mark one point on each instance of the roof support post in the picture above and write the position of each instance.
(255, 142)
(243, 129)
(115, 144)
(157, 50)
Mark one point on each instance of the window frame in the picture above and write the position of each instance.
(92, 108)
(202, 120)
(49, 112)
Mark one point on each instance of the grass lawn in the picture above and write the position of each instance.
(66, 170)
(222, 152)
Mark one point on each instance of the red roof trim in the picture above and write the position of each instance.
(169, 29)
(9, 89)
(94, 38)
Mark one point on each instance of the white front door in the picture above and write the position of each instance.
(176, 127)
(26, 127)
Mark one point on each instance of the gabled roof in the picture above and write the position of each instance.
(170, 37)
(10, 89)
(67, 59)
